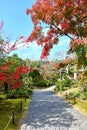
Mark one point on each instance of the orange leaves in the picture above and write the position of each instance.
(35, 34)
(3, 68)
(76, 42)
(65, 25)
(46, 50)
(67, 60)
(63, 63)
(62, 17)
(69, 3)
(28, 11)
(58, 65)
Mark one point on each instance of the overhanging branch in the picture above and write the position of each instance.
(63, 32)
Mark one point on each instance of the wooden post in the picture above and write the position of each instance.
(25, 98)
(74, 100)
(20, 105)
(66, 95)
(13, 117)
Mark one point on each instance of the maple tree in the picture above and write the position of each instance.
(11, 72)
(14, 79)
(61, 17)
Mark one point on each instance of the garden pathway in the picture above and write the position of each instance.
(47, 111)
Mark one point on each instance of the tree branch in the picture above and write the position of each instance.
(62, 31)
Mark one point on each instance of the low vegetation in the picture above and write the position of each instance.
(7, 106)
(75, 94)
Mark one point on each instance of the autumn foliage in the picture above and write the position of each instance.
(64, 63)
(13, 79)
(60, 17)
(6, 46)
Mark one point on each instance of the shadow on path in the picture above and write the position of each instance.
(48, 111)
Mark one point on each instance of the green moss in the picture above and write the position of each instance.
(6, 108)
(81, 98)
(82, 106)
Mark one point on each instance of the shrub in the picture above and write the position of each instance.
(42, 83)
(66, 82)
(59, 85)
(19, 92)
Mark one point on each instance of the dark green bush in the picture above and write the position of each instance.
(66, 82)
(59, 85)
(19, 92)
(41, 83)
(83, 96)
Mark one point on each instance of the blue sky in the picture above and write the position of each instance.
(13, 13)
(17, 23)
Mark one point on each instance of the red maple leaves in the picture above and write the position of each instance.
(17, 84)
(2, 76)
(61, 18)
(13, 79)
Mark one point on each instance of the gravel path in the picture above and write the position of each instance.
(47, 111)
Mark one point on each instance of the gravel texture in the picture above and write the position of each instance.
(47, 111)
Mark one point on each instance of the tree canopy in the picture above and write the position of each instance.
(61, 17)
